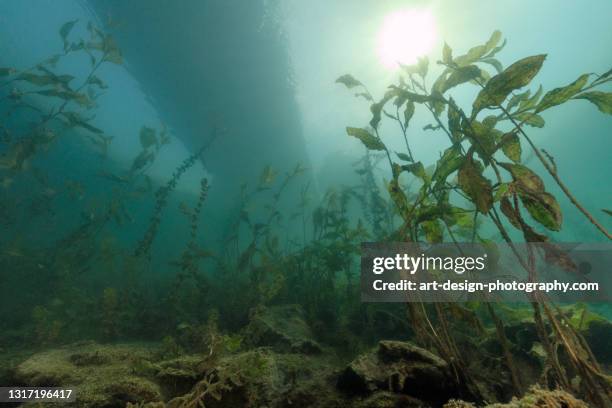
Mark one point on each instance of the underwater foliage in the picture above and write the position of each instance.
(281, 288)
(482, 168)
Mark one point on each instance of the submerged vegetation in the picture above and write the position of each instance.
(272, 316)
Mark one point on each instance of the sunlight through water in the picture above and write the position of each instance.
(405, 35)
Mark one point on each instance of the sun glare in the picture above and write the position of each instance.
(405, 36)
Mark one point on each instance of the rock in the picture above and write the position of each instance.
(535, 398)
(283, 328)
(400, 367)
(598, 335)
(102, 375)
(264, 378)
(386, 399)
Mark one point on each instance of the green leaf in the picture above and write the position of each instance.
(460, 76)
(433, 231)
(40, 80)
(112, 52)
(511, 146)
(530, 119)
(349, 81)
(501, 191)
(544, 208)
(476, 186)
(561, 95)
(450, 161)
(417, 169)
(514, 77)
(454, 121)
(516, 99)
(484, 139)
(447, 54)
(408, 113)
(475, 53)
(370, 141)
(524, 177)
(147, 137)
(66, 28)
(403, 156)
(529, 103)
(494, 63)
(603, 100)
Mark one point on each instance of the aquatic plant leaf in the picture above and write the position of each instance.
(417, 169)
(454, 121)
(475, 53)
(510, 212)
(460, 76)
(411, 96)
(450, 161)
(495, 64)
(603, 100)
(609, 212)
(433, 231)
(74, 119)
(511, 146)
(530, 119)
(35, 79)
(420, 68)
(94, 80)
(484, 138)
(370, 141)
(365, 96)
(79, 98)
(408, 113)
(502, 191)
(516, 99)
(447, 54)
(524, 177)
(560, 95)
(144, 158)
(376, 108)
(349, 81)
(65, 30)
(544, 208)
(514, 77)
(532, 101)
(111, 51)
(403, 156)
(147, 137)
(475, 185)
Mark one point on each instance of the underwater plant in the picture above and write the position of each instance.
(485, 157)
(161, 195)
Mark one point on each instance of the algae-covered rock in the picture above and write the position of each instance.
(386, 399)
(264, 378)
(400, 367)
(283, 328)
(101, 375)
(535, 398)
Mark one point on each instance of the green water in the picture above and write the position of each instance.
(181, 205)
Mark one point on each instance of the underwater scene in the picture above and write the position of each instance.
(187, 189)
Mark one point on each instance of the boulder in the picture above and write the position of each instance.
(283, 328)
(102, 375)
(400, 367)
